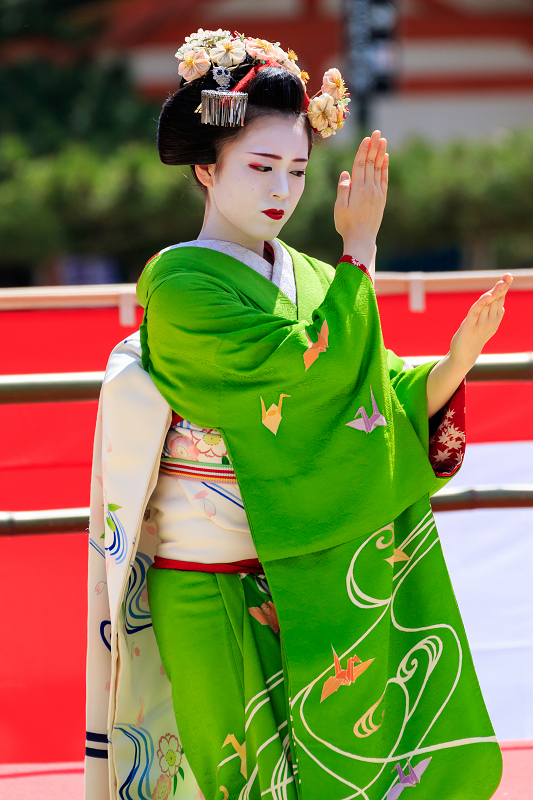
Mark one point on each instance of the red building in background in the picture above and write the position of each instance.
(466, 66)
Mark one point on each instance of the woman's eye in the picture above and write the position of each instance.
(298, 172)
(260, 167)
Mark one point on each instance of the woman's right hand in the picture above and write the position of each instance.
(361, 199)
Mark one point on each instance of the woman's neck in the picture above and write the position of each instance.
(216, 228)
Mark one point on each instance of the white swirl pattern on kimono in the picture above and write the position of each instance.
(431, 645)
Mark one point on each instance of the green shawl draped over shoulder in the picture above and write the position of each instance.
(223, 345)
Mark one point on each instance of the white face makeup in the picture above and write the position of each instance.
(263, 171)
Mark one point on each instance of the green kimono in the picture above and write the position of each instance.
(328, 435)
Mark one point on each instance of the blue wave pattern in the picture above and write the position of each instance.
(118, 545)
(106, 634)
(96, 547)
(137, 618)
(142, 763)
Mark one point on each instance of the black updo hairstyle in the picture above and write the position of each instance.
(183, 139)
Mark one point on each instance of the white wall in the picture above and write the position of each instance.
(490, 559)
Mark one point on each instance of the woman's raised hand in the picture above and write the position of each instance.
(481, 322)
(361, 198)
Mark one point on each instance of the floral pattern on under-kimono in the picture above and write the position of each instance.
(192, 443)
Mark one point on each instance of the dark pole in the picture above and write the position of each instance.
(360, 62)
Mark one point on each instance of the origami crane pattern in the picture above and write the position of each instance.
(272, 418)
(366, 423)
(398, 555)
(240, 749)
(410, 778)
(343, 677)
(266, 615)
(315, 348)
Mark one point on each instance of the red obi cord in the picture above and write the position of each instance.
(248, 565)
(356, 263)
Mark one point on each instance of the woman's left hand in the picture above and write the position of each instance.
(481, 322)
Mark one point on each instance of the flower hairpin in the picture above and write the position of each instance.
(221, 52)
(327, 111)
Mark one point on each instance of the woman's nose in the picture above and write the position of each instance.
(280, 189)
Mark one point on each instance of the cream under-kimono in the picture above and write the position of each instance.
(202, 519)
(128, 693)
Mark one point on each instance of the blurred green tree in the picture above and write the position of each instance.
(126, 205)
(55, 87)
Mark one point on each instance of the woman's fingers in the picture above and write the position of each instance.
(369, 160)
(372, 155)
(385, 174)
(343, 189)
(380, 159)
(480, 304)
(358, 171)
(490, 304)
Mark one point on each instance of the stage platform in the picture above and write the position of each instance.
(65, 781)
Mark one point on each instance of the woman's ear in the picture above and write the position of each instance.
(204, 173)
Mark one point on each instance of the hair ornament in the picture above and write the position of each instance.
(221, 52)
(327, 111)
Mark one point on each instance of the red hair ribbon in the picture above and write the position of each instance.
(271, 62)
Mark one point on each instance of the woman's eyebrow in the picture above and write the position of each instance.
(278, 158)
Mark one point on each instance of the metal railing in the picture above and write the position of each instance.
(71, 386)
(61, 520)
(76, 520)
(53, 387)
(415, 285)
(65, 386)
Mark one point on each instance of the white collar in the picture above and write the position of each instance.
(281, 273)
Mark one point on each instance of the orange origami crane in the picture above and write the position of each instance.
(315, 348)
(266, 615)
(343, 677)
(272, 418)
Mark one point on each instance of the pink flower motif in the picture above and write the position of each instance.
(333, 84)
(139, 719)
(210, 444)
(261, 50)
(195, 64)
(209, 507)
(183, 447)
(169, 754)
(162, 788)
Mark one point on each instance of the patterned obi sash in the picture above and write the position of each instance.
(197, 471)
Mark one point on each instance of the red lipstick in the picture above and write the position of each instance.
(274, 213)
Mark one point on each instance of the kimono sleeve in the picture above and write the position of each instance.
(204, 343)
(443, 435)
